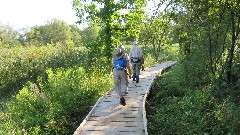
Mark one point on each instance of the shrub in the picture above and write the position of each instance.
(61, 104)
(180, 109)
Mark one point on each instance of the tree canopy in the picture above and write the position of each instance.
(118, 19)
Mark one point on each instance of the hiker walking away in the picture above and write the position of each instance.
(136, 57)
(119, 73)
(126, 57)
(129, 71)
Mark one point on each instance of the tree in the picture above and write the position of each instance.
(8, 36)
(108, 14)
(55, 31)
(89, 36)
(75, 34)
(208, 35)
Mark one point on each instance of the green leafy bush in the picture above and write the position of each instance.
(181, 109)
(59, 105)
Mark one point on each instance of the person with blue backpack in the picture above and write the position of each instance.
(136, 57)
(126, 57)
(119, 73)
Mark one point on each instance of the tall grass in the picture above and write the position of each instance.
(21, 64)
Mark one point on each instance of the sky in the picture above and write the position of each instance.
(28, 13)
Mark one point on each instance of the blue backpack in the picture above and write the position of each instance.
(120, 64)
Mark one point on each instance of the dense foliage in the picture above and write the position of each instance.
(60, 104)
(201, 94)
(181, 108)
(21, 64)
(51, 74)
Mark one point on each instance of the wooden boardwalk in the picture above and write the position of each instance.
(109, 117)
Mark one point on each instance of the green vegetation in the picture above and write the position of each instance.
(58, 105)
(182, 108)
(51, 74)
(21, 64)
(48, 89)
(200, 95)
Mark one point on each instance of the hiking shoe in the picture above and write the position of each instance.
(122, 101)
(134, 77)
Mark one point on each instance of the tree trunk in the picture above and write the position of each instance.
(231, 51)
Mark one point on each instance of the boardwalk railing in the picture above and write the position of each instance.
(109, 117)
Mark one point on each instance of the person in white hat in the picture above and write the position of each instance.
(119, 74)
(136, 57)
